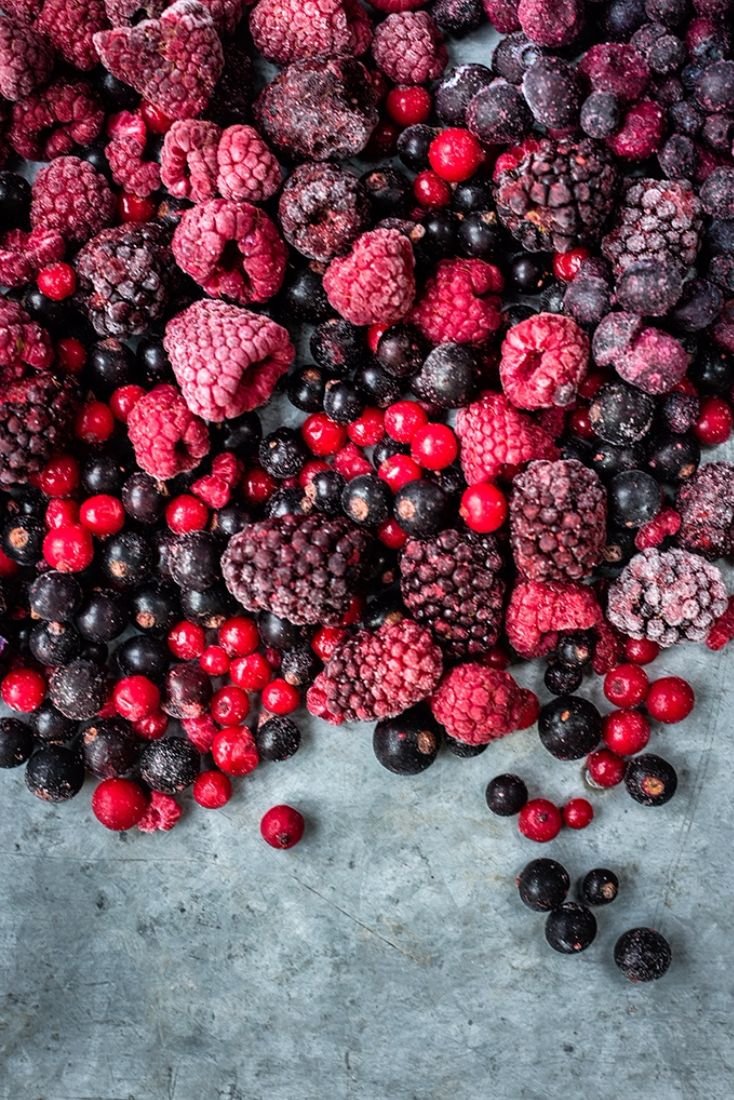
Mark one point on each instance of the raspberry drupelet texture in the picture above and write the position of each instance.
(452, 584)
(54, 120)
(24, 344)
(667, 597)
(225, 358)
(543, 360)
(174, 62)
(706, 507)
(375, 282)
(189, 159)
(550, 23)
(460, 303)
(232, 249)
(226, 14)
(656, 220)
(35, 415)
(125, 154)
(557, 520)
(73, 198)
(306, 569)
(319, 109)
(162, 814)
(287, 30)
(558, 195)
(247, 169)
(539, 611)
(71, 26)
(126, 275)
(377, 675)
(322, 209)
(408, 47)
(26, 59)
(22, 255)
(493, 434)
(167, 437)
(477, 704)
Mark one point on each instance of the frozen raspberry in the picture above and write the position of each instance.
(246, 169)
(71, 25)
(641, 132)
(408, 47)
(51, 122)
(288, 30)
(502, 14)
(375, 281)
(477, 704)
(544, 358)
(25, 11)
(722, 632)
(174, 61)
(654, 361)
(460, 303)
(162, 814)
(322, 209)
(167, 437)
(189, 159)
(73, 198)
(706, 506)
(226, 359)
(656, 531)
(397, 5)
(22, 255)
(616, 68)
(26, 59)
(225, 14)
(550, 22)
(608, 648)
(125, 155)
(538, 612)
(231, 249)
(377, 675)
(319, 108)
(667, 597)
(493, 434)
(23, 343)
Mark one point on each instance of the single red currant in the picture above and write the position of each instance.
(323, 436)
(71, 354)
(391, 534)
(625, 732)
(280, 697)
(132, 208)
(326, 639)
(251, 673)
(152, 726)
(483, 507)
(214, 661)
(57, 281)
(641, 651)
(282, 826)
(124, 399)
(626, 685)
(234, 750)
(368, 428)
(61, 512)
(566, 264)
(95, 422)
(103, 514)
(186, 513)
(714, 422)
(604, 769)
(69, 549)
(670, 700)
(430, 190)
(230, 705)
(239, 636)
(350, 462)
(409, 105)
(398, 471)
(136, 697)
(155, 120)
(539, 820)
(434, 447)
(119, 804)
(186, 640)
(578, 813)
(579, 423)
(212, 790)
(257, 486)
(403, 419)
(23, 689)
(59, 477)
(455, 154)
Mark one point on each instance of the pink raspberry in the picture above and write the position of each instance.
(397, 5)
(247, 169)
(174, 61)
(460, 303)
(654, 361)
(231, 249)
(665, 524)
(722, 632)
(543, 360)
(550, 22)
(189, 159)
(502, 14)
(72, 197)
(26, 59)
(167, 437)
(71, 26)
(616, 68)
(22, 255)
(128, 139)
(375, 281)
(641, 132)
(408, 47)
(225, 358)
(225, 14)
(493, 434)
(51, 122)
(477, 704)
(214, 491)
(608, 648)
(23, 343)
(289, 30)
(539, 610)
(162, 814)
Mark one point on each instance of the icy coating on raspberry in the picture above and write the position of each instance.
(543, 360)
(247, 170)
(22, 255)
(54, 120)
(408, 47)
(477, 704)
(26, 59)
(375, 281)
(126, 155)
(460, 303)
(168, 439)
(539, 611)
(285, 30)
(71, 26)
(493, 434)
(189, 159)
(23, 342)
(72, 198)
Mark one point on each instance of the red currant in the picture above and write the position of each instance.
(578, 813)
(497, 657)
(434, 447)
(714, 422)
(61, 512)
(8, 567)
(152, 726)
(71, 354)
(403, 419)
(234, 750)
(257, 486)
(69, 549)
(282, 826)
(135, 697)
(670, 700)
(625, 732)
(23, 689)
(368, 428)
(57, 281)
(323, 436)
(104, 515)
(280, 697)
(641, 651)
(186, 640)
(186, 513)
(604, 769)
(626, 685)
(251, 673)
(214, 661)
(124, 399)
(119, 804)
(409, 105)
(326, 639)
(212, 790)
(95, 422)
(539, 820)
(483, 507)
(350, 462)
(239, 636)
(566, 264)
(398, 471)
(59, 477)
(230, 705)
(430, 190)
(579, 423)
(455, 154)
(391, 534)
(132, 208)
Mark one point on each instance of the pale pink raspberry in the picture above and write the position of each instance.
(493, 434)
(477, 704)
(189, 159)
(539, 611)
(460, 303)
(289, 30)
(53, 120)
(72, 197)
(247, 169)
(226, 14)
(543, 360)
(375, 281)
(71, 25)
(408, 47)
(26, 59)
(22, 255)
(124, 152)
(167, 437)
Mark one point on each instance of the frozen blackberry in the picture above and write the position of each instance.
(455, 91)
(452, 583)
(599, 887)
(170, 765)
(342, 403)
(109, 747)
(621, 414)
(155, 607)
(49, 724)
(420, 508)
(277, 739)
(282, 453)
(79, 690)
(448, 377)
(408, 744)
(650, 780)
(35, 415)
(634, 498)
(143, 655)
(54, 643)
(337, 346)
(569, 727)
(570, 928)
(54, 596)
(16, 742)
(506, 795)
(562, 680)
(543, 885)
(656, 220)
(194, 560)
(102, 616)
(126, 559)
(54, 773)
(305, 388)
(366, 500)
(642, 954)
(143, 498)
(322, 208)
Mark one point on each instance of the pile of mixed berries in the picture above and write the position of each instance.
(499, 298)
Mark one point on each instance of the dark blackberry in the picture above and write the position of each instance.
(621, 414)
(552, 92)
(126, 559)
(15, 202)
(109, 365)
(412, 145)
(16, 742)
(634, 498)
(569, 727)
(208, 607)
(656, 220)
(109, 747)
(243, 434)
(342, 402)
(282, 453)
(79, 690)
(299, 666)
(379, 387)
(102, 473)
(456, 90)
(448, 377)
(54, 643)
(420, 508)
(401, 350)
(304, 297)
(543, 885)
(570, 928)
(54, 773)
(277, 632)
(338, 347)
(187, 691)
(102, 616)
(170, 765)
(506, 795)
(324, 490)
(277, 739)
(305, 388)
(54, 596)
(194, 560)
(599, 887)
(389, 191)
(22, 539)
(155, 607)
(408, 744)
(675, 458)
(642, 954)
(600, 114)
(143, 655)
(562, 680)
(143, 498)
(650, 780)
(35, 415)
(49, 724)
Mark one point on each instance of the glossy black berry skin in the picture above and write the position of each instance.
(569, 727)
(599, 887)
(650, 780)
(103, 616)
(621, 414)
(277, 739)
(675, 458)
(143, 498)
(463, 749)
(15, 201)
(562, 679)
(102, 473)
(634, 498)
(506, 795)
(529, 273)
(366, 500)
(22, 539)
(376, 385)
(448, 377)
(49, 724)
(571, 928)
(408, 744)
(420, 508)
(305, 388)
(170, 765)
(155, 607)
(287, 502)
(142, 655)
(480, 236)
(325, 492)
(642, 954)
(304, 297)
(109, 365)
(54, 773)
(55, 596)
(278, 633)
(543, 885)
(194, 560)
(338, 347)
(243, 434)
(388, 189)
(413, 146)
(153, 361)
(574, 650)
(342, 402)
(109, 747)
(126, 559)
(401, 350)
(187, 691)
(54, 643)
(282, 453)
(473, 196)
(16, 742)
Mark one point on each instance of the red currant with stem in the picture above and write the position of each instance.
(670, 699)
(539, 820)
(626, 685)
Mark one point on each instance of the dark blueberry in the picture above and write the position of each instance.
(379, 387)
(670, 12)
(277, 739)
(194, 560)
(299, 666)
(678, 157)
(480, 235)
(634, 498)
(278, 633)
(679, 412)
(570, 928)
(715, 87)
(687, 117)
(553, 297)
(642, 954)
(574, 650)
(506, 795)
(413, 146)
(143, 498)
(599, 887)
(49, 724)
(143, 655)
(154, 362)
(282, 453)
(126, 559)
(208, 607)
(170, 765)
(109, 747)
(543, 885)
(498, 114)
(420, 508)
(513, 55)
(408, 744)
(551, 89)
(718, 132)
(448, 377)
(439, 236)
(473, 196)
(324, 490)
(456, 90)
(675, 457)
(650, 780)
(102, 473)
(699, 306)
(712, 371)
(102, 616)
(15, 201)
(54, 643)
(366, 500)
(401, 350)
(54, 773)
(650, 286)
(389, 191)
(55, 596)
(529, 273)
(621, 414)
(155, 607)
(600, 114)
(305, 388)
(304, 297)
(22, 539)
(569, 727)
(79, 690)
(187, 691)
(586, 299)
(458, 17)
(343, 403)
(243, 434)
(229, 520)
(562, 680)
(287, 502)
(338, 346)
(608, 460)
(109, 365)
(16, 742)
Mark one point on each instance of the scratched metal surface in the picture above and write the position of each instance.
(385, 958)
